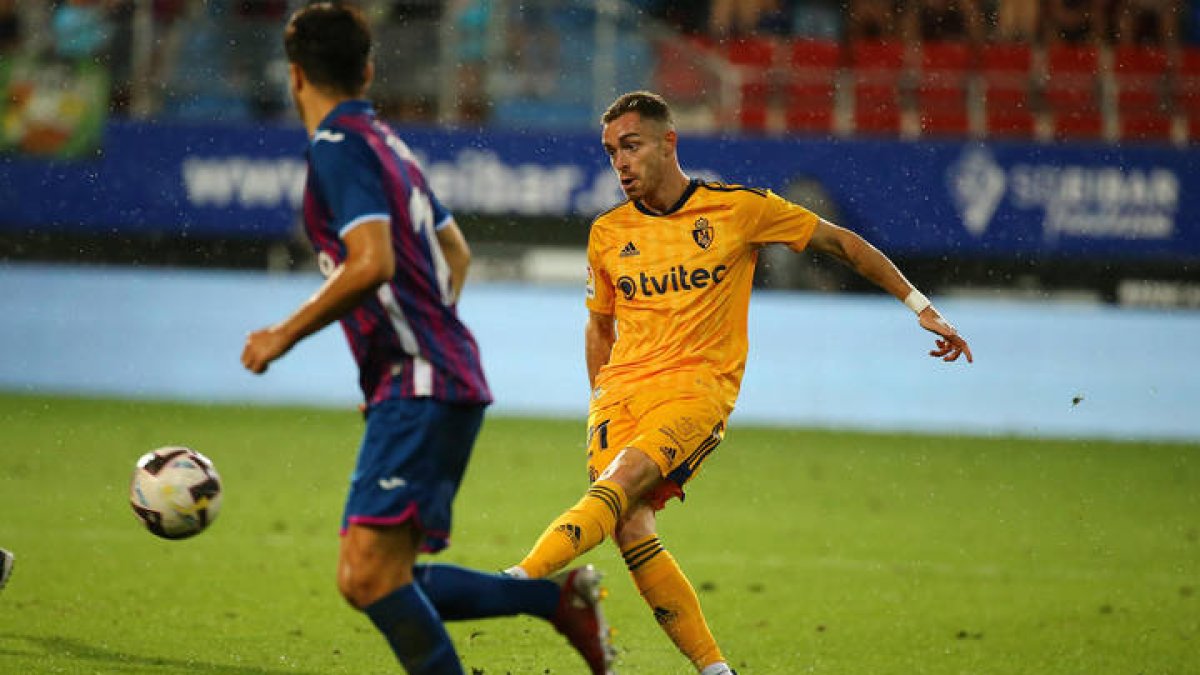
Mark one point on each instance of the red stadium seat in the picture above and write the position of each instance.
(1146, 126)
(755, 58)
(676, 73)
(1186, 96)
(1081, 124)
(1005, 69)
(1139, 74)
(1072, 92)
(877, 69)
(809, 98)
(1010, 123)
(1072, 77)
(942, 88)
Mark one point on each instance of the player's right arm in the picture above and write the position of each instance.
(598, 338)
(600, 333)
(349, 177)
(369, 263)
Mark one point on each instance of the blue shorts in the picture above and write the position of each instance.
(410, 464)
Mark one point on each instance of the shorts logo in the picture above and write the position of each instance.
(702, 233)
(392, 483)
(687, 428)
(572, 532)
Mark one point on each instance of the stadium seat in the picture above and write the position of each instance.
(755, 59)
(877, 69)
(1140, 126)
(810, 89)
(942, 88)
(1186, 90)
(1078, 125)
(1139, 74)
(1193, 129)
(1072, 76)
(677, 74)
(1004, 70)
(1071, 91)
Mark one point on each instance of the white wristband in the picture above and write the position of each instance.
(916, 301)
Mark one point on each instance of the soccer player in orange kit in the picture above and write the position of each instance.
(669, 278)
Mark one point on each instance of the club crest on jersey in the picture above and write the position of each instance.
(326, 264)
(702, 233)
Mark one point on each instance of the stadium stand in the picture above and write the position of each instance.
(1139, 77)
(755, 61)
(1006, 71)
(1186, 96)
(1071, 90)
(810, 90)
(876, 70)
(941, 88)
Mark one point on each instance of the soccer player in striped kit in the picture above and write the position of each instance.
(395, 262)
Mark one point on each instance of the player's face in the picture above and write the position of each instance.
(639, 151)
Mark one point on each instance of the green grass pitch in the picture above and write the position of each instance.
(813, 551)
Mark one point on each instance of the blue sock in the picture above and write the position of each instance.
(459, 593)
(415, 632)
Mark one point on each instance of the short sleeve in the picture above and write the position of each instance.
(441, 215)
(782, 222)
(350, 179)
(600, 297)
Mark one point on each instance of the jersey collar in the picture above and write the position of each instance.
(354, 106)
(692, 185)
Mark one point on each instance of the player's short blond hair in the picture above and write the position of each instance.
(647, 104)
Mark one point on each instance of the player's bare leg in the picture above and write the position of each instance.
(375, 575)
(667, 590)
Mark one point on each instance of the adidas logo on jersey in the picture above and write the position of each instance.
(630, 250)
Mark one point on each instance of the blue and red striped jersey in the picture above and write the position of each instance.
(406, 338)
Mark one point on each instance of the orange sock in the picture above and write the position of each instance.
(577, 531)
(671, 596)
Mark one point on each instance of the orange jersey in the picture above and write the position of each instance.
(679, 286)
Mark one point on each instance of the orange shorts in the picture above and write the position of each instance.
(677, 431)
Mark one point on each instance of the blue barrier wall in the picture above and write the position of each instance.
(823, 360)
(930, 198)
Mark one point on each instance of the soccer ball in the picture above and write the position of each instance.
(175, 492)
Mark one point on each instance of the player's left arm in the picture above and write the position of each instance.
(873, 265)
(458, 256)
(369, 263)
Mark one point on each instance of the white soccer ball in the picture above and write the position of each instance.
(175, 492)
